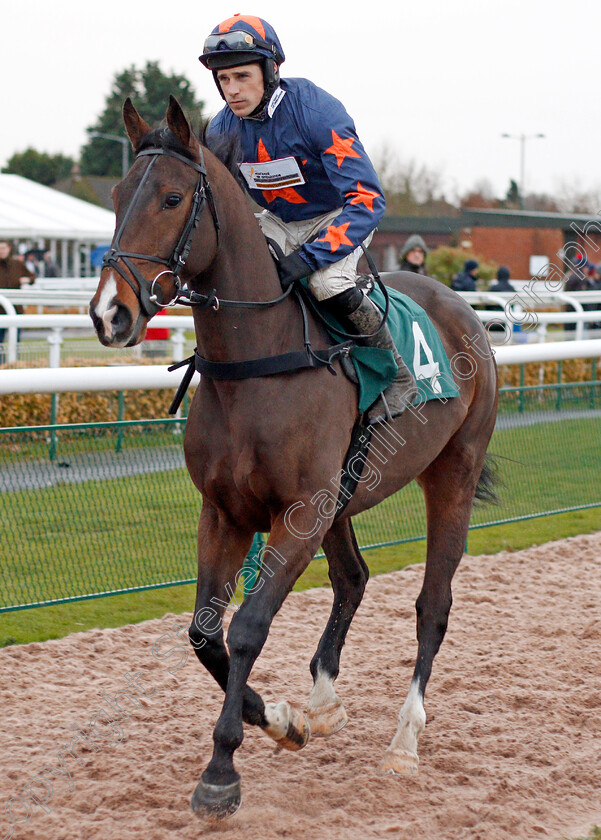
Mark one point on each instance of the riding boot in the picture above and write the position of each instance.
(365, 317)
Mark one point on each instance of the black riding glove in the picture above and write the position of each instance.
(291, 268)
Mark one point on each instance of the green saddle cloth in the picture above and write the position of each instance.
(419, 345)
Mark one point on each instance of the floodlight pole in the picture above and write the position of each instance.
(522, 138)
(124, 150)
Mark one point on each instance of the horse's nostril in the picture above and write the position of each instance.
(114, 324)
(122, 321)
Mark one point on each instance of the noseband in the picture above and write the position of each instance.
(143, 288)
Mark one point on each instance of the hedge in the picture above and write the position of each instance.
(84, 407)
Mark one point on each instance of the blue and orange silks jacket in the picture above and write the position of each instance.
(313, 127)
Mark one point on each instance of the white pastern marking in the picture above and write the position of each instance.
(278, 718)
(103, 310)
(322, 693)
(412, 720)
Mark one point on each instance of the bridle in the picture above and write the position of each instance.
(150, 303)
(145, 291)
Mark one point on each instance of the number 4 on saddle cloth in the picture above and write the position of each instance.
(414, 335)
(416, 340)
(418, 343)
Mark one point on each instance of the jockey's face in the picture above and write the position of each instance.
(243, 87)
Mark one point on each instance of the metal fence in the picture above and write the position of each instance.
(94, 509)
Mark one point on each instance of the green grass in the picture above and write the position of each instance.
(141, 529)
(115, 611)
(71, 539)
(594, 835)
(548, 466)
(34, 445)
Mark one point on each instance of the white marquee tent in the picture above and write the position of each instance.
(42, 217)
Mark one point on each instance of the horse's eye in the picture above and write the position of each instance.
(172, 200)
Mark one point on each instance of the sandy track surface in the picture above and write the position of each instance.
(512, 748)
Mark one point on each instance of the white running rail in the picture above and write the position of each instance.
(149, 377)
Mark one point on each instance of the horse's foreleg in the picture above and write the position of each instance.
(449, 485)
(284, 559)
(348, 574)
(220, 555)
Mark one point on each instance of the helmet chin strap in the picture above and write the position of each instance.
(271, 80)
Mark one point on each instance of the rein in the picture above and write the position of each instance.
(150, 303)
(145, 290)
(188, 297)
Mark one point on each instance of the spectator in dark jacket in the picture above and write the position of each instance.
(577, 281)
(48, 267)
(502, 284)
(466, 279)
(596, 286)
(413, 255)
(13, 275)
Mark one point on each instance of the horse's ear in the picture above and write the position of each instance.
(177, 122)
(136, 127)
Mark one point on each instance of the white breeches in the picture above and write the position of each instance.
(326, 282)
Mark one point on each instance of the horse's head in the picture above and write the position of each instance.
(161, 229)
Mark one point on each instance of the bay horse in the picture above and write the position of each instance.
(266, 452)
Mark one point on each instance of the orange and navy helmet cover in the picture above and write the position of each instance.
(267, 44)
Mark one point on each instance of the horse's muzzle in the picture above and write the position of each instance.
(114, 325)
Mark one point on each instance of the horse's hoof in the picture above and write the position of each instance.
(298, 732)
(398, 763)
(217, 800)
(326, 720)
(288, 726)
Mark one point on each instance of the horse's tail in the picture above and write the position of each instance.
(488, 482)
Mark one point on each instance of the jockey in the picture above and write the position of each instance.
(304, 164)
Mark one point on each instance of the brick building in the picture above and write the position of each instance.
(507, 237)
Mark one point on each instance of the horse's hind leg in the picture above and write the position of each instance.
(449, 485)
(348, 574)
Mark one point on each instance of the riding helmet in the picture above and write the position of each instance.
(245, 39)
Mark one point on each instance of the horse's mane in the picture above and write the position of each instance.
(164, 138)
(225, 148)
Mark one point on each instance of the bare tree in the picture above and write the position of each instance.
(571, 197)
(480, 196)
(410, 187)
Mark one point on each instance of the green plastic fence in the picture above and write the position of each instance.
(95, 509)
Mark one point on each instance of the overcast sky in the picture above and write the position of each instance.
(436, 81)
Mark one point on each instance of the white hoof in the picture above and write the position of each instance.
(397, 762)
(326, 720)
(287, 725)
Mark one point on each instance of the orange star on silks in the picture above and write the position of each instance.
(336, 237)
(287, 193)
(363, 196)
(341, 148)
